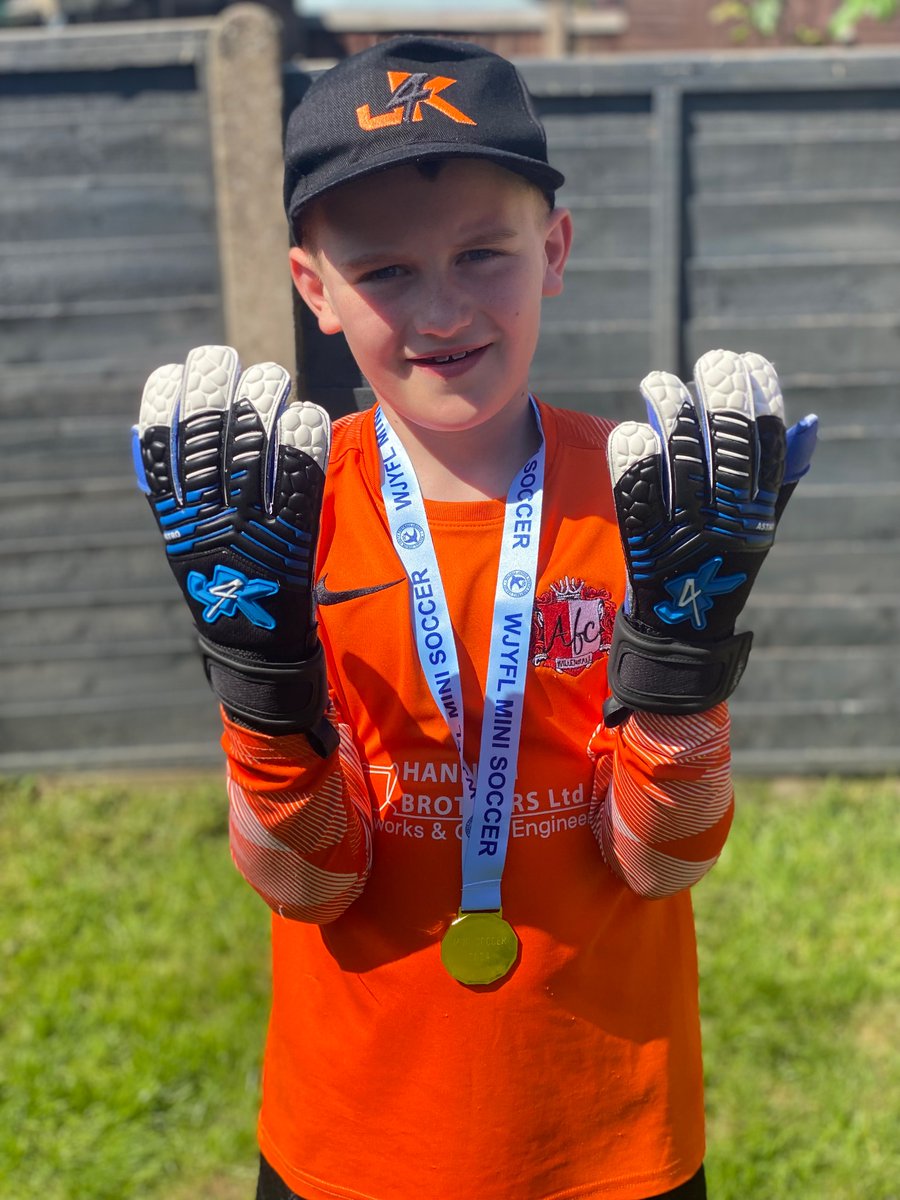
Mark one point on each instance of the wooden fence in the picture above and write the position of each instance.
(140, 215)
(743, 200)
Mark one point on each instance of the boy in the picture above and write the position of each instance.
(484, 971)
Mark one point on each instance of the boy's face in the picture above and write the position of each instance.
(437, 286)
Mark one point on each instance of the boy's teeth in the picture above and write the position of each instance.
(445, 358)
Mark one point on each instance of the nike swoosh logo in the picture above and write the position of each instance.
(324, 595)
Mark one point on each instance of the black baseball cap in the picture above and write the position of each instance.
(406, 100)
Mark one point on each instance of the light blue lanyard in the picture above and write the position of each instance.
(487, 802)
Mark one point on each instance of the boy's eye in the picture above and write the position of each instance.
(382, 273)
(481, 254)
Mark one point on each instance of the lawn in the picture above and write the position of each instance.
(134, 990)
(133, 995)
(800, 988)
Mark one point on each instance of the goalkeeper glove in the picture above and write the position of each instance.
(698, 494)
(235, 476)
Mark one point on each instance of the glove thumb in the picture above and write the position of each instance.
(801, 444)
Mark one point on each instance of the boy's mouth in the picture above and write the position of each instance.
(455, 359)
(445, 358)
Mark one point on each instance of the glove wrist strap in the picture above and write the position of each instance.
(274, 698)
(658, 674)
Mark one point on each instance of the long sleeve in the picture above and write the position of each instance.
(300, 826)
(663, 798)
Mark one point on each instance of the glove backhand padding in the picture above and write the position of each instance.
(235, 475)
(698, 491)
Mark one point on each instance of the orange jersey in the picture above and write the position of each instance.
(578, 1075)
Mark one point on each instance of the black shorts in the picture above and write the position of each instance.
(272, 1187)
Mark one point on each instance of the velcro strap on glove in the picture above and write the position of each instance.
(663, 675)
(275, 698)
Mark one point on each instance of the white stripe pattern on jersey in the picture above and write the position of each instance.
(648, 872)
(662, 810)
(308, 850)
(275, 834)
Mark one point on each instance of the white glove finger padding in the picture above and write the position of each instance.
(630, 443)
(307, 427)
(160, 399)
(726, 393)
(266, 386)
(767, 398)
(299, 425)
(210, 373)
(723, 384)
(153, 456)
(666, 397)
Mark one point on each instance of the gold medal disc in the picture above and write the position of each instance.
(479, 947)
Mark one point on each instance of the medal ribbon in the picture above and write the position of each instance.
(487, 802)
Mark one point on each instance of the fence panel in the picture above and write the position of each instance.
(123, 239)
(774, 225)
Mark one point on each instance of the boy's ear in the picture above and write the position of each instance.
(308, 282)
(556, 247)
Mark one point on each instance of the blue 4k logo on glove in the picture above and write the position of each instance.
(692, 594)
(230, 592)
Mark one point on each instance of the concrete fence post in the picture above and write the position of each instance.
(244, 71)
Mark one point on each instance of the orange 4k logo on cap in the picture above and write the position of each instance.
(408, 94)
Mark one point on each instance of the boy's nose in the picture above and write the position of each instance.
(441, 309)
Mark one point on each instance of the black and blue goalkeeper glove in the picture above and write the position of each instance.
(698, 493)
(235, 476)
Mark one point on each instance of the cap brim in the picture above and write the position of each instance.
(541, 174)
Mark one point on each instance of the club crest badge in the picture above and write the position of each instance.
(571, 626)
(410, 535)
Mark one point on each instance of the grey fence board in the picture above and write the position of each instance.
(614, 227)
(94, 447)
(725, 224)
(68, 209)
(851, 342)
(578, 345)
(98, 627)
(93, 389)
(33, 566)
(164, 729)
(825, 570)
(781, 286)
(87, 671)
(90, 272)
(49, 140)
(608, 290)
(167, 327)
(866, 621)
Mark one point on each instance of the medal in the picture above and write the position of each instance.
(479, 947)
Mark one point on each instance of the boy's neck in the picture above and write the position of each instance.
(472, 464)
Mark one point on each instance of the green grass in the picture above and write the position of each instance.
(800, 986)
(134, 993)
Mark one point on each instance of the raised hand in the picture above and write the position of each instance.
(235, 475)
(698, 492)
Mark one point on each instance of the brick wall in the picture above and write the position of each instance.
(686, 25)
(606, 26)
